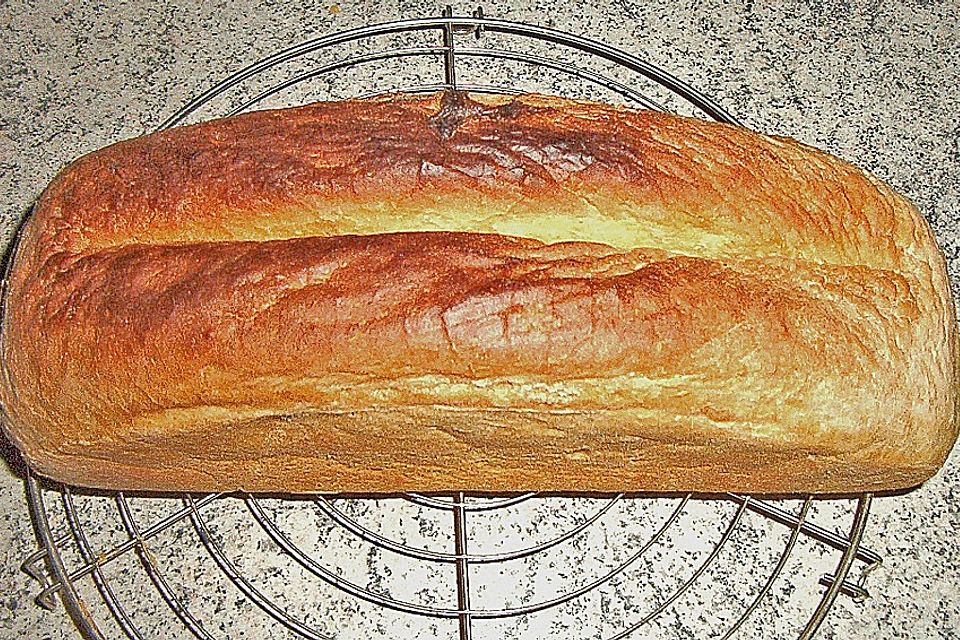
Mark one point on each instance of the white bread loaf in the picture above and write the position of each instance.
(445, 292)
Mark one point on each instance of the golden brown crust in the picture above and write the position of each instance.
(437, 293)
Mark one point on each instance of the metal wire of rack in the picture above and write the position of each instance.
(473, 566)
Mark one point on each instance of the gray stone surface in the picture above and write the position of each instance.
(876, 83)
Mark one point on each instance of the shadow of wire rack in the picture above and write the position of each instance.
(608, 566)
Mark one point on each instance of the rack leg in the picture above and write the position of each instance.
(463, 570)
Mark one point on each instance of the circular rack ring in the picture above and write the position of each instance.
(66, 560)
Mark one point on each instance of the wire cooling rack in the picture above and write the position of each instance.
(466, 566)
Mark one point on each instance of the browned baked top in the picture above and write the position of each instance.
(530, 254)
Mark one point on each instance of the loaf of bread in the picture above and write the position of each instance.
(454, 292)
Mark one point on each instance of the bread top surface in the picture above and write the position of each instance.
(532, 166)
(528, 253)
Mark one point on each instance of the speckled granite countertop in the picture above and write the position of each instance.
(877, 84)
